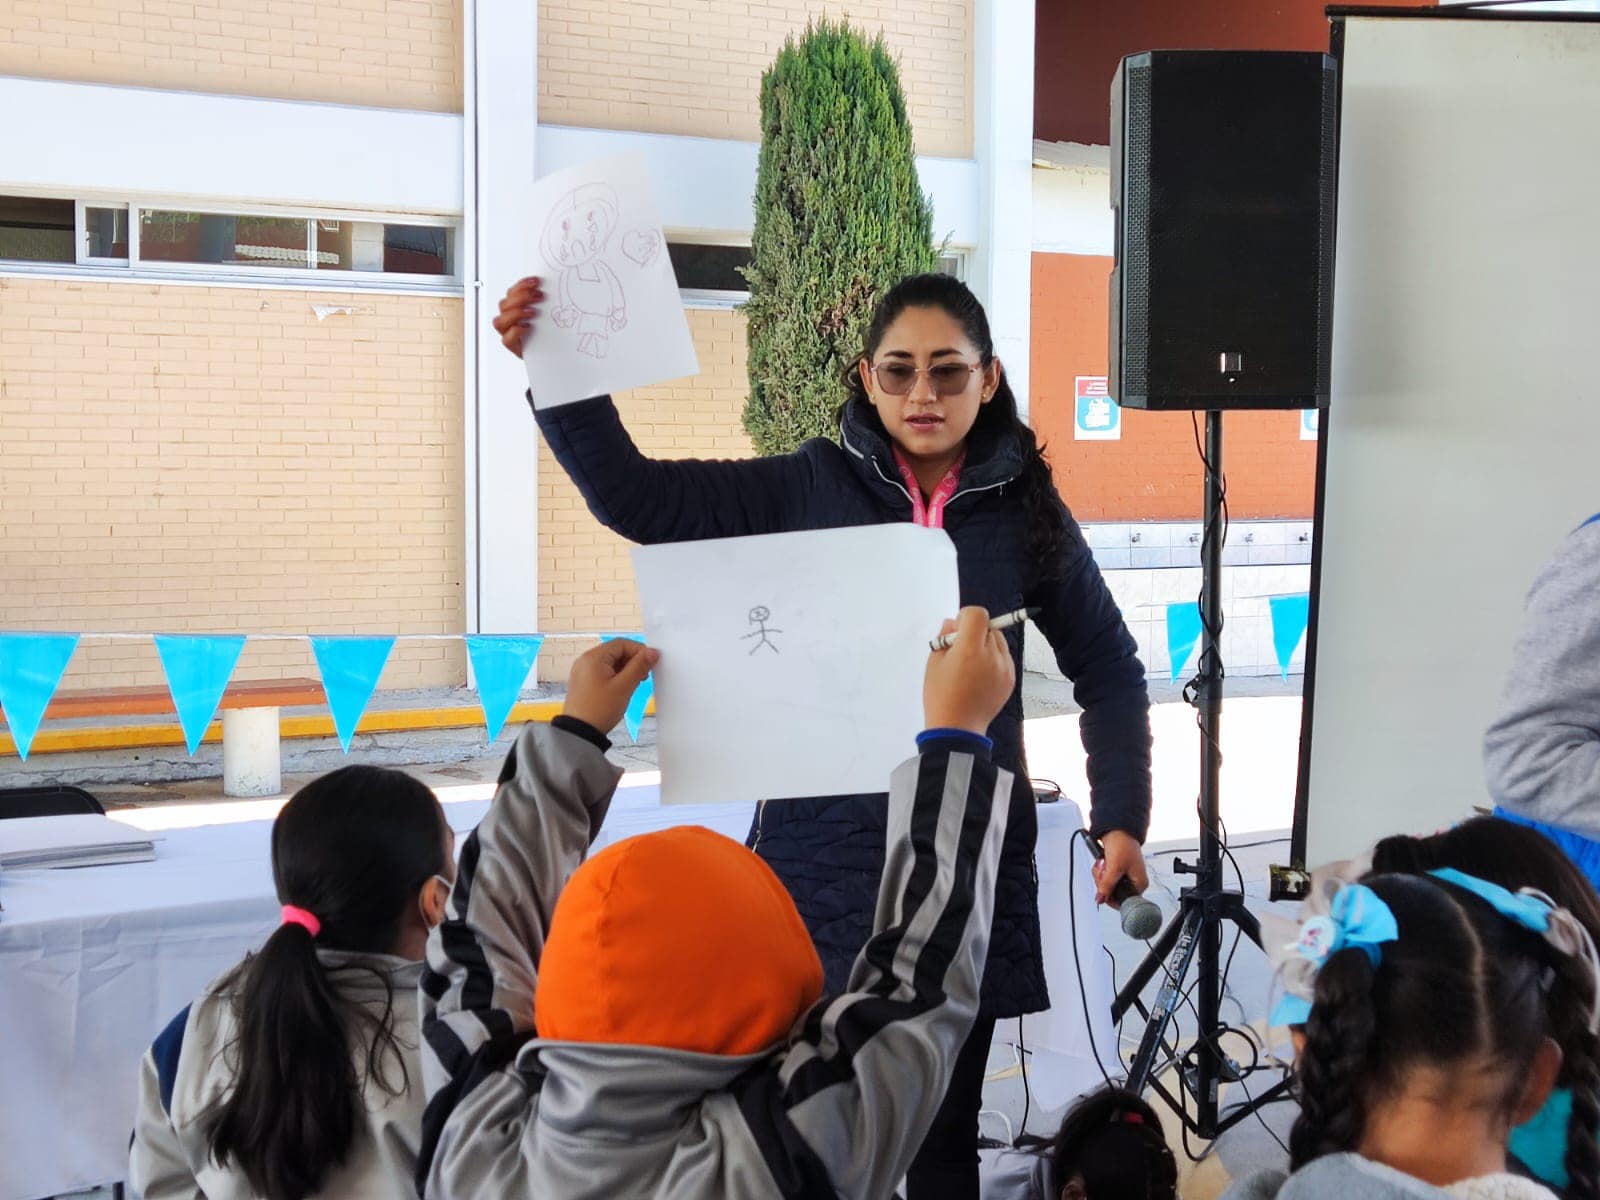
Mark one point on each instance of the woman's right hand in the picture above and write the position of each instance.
(517, 313)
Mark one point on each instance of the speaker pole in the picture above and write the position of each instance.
(1193, 938)
(1209, 702)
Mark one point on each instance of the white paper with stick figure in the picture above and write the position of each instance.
(792, 663)
(611, 318)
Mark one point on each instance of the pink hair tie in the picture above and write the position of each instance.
(295, 915)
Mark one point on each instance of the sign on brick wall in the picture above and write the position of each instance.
(1097, 417)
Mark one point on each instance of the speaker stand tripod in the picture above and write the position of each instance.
(1196, 929)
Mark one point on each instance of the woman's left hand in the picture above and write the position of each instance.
(1124, 857)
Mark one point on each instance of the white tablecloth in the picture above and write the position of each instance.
(94, 962)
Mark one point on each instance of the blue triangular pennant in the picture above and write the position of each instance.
(633, 718)
(31, 666)
(1183, 631)
(350, 668)
(1289, 616)
(500, 665)
(198, 670)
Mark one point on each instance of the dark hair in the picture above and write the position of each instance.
(351, 847)
(1112, 1140)
(1047, 524)
(1462, 986)
(1503, 852)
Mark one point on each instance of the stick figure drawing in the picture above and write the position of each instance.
(758, 617)
(588, 292)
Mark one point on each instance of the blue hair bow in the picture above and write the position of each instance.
(1527, 908)
(1357, 919)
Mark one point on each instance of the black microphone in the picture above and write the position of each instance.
(1141, 918)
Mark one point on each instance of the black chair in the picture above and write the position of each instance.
(46, 800)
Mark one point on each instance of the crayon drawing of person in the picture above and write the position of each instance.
(588, 292)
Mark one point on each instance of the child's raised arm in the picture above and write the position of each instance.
(477, 991)
(853, 1098)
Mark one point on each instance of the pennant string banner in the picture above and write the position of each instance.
(633, 718)
(31, 666)
(198, 670)
(1290, 615)
(350, 668)
(199, 667)
(500, 665)
(1183, 631)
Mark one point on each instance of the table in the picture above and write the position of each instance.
(94, 962)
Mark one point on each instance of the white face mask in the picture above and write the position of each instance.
(448, 886)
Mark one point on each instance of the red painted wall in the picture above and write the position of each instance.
(1153, 472)
(1078, 44)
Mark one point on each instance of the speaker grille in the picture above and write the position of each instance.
(1328, 191)
(1134, 333)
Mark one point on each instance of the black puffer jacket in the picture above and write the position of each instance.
(829, 850)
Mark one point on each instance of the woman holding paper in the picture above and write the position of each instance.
(929, 432)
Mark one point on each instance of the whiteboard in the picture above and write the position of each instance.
(1463, 437)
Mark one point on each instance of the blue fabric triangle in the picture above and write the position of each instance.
(1183, 631)
(500, 664)
(633, 718)
(198, 670)
(1289, 617)
(350, 668)
(31, 666)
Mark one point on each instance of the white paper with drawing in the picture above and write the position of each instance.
(611, 317)
(792, 664)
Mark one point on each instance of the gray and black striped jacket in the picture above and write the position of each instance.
(837, 1111)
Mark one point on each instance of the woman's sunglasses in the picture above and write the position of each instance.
(946, 378)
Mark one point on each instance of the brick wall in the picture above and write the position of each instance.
(694, 66)
(389, 53)
(190, 459)
(585, 578)
(1153, 473)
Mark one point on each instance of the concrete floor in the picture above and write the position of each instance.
(1260, 738)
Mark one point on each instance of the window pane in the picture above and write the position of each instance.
(709, 268)
(417, 250)
(36, 230)
(221, 238)
(349, 245)
(106, 230)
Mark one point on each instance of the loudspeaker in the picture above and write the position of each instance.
(1222, 182)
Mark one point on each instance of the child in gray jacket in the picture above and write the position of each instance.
(1542, 754)
(681, 1050)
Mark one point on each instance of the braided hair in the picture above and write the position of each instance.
(1046, 519)
(1515, 856)
(1463, 986)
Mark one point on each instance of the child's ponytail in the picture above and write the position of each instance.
(291, 1115)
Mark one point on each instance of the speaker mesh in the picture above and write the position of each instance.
(1328, 188)
(1135, 266)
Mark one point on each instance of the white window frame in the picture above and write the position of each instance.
(718, 298)
(234, 274)
(306, 274)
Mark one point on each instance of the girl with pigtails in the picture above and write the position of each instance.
(1433, 1013)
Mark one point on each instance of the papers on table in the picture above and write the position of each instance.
(78, 840)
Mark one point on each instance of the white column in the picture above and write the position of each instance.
(1003, 145)
(501, 109)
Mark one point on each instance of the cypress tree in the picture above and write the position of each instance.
(839, 217)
